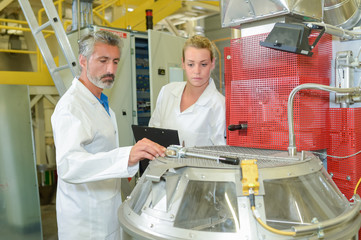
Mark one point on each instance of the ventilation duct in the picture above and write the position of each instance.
(82, 11)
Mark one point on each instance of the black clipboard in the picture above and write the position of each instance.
(164, 137)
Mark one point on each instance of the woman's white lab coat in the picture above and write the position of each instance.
(202, 124)
(89, 166)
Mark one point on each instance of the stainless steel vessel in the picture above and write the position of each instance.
(193, 198)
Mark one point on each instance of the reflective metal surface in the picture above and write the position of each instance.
(342, 13)
(193, 198)
(235, 12)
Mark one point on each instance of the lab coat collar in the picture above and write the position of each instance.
(204, 98)
(207, 93)
(89, 95)
(177, 92)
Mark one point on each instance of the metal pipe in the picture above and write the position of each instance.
(292, 151)
(336, 31)
(78, 17)
(348, 216)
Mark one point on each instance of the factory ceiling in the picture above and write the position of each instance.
(168, 15)
(179, 17)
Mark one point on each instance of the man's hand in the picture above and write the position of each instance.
(145, 149)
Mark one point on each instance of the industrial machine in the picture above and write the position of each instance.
(269, 195)
(275, 101)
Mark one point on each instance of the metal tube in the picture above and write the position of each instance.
(331, 222)
(336, 31)
(78, 17)
(292, 151)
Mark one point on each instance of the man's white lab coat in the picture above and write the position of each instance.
(202, 124)
(89, 166)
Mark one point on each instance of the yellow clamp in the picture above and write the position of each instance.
(249, 176)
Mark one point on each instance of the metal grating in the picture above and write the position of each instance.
(265, 158)
(345, 132)
(262, 80)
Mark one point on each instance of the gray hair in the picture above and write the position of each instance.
(87, 42)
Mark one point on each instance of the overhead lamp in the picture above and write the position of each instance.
(291, 38)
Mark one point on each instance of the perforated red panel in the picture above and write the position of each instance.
(262, 80)
(345, 132)
(258, 83)
(264, 108)
(227, 76)
(257, 91)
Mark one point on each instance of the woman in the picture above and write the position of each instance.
(195, 108)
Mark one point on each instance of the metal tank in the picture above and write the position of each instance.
(268, 195)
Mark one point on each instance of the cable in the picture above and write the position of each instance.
(358, 183)
(324, 154)
(258, 217)
(271, 229)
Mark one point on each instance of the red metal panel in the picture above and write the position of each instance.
(227, 79)
(262, 80)
(345, 129)
(257, 90)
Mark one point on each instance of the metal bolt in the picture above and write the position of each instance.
(331, 174)
(348, 178)
(229, 57)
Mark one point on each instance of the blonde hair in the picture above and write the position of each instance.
(199, 42)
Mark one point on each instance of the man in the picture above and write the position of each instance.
(90, 163)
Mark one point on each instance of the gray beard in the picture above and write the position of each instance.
(99, 83)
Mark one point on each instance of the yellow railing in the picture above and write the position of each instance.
(41, 76)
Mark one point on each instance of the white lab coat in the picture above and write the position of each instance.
(89, 166)
(202, 124)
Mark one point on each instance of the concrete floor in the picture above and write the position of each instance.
(48, 222)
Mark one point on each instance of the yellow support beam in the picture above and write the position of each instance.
(26, 78)
(215, 3)
(136, 19)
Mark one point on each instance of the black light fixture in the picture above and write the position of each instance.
(291, 38)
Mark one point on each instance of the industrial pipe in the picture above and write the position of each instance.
(345, 217)
(335, 31)
(292, 151)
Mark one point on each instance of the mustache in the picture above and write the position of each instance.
(108, 75)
